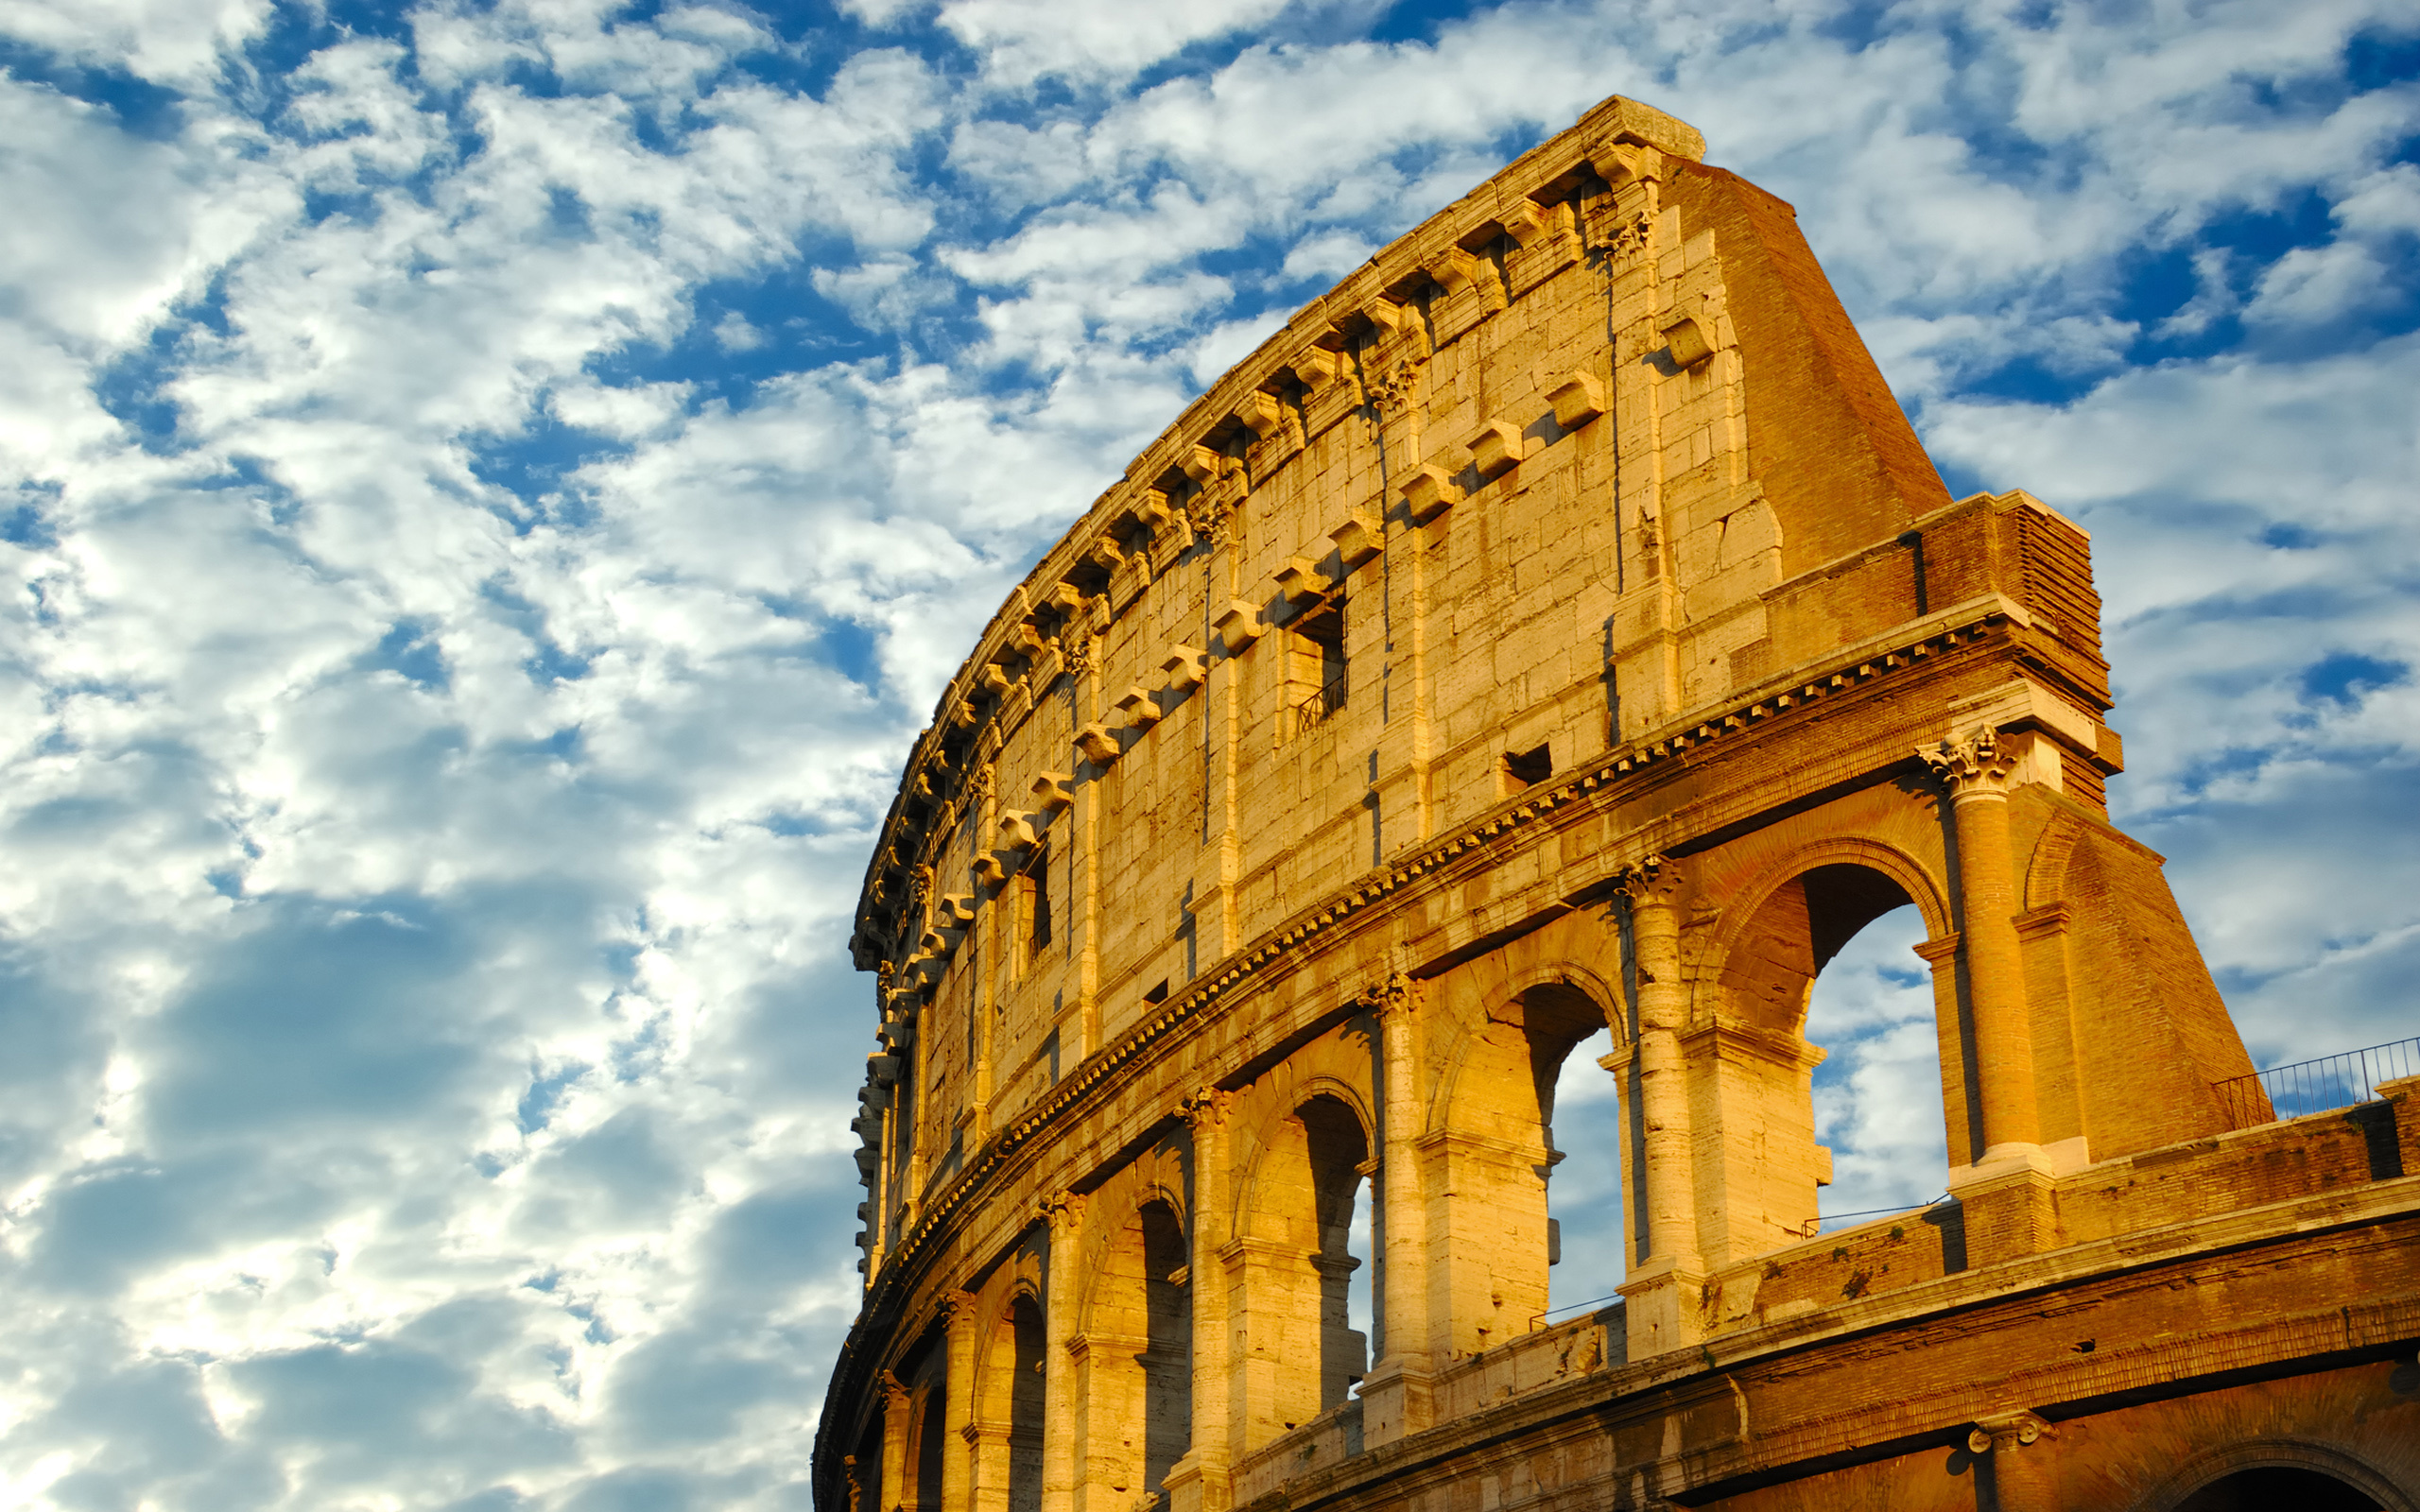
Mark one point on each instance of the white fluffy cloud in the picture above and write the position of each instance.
(491, 489)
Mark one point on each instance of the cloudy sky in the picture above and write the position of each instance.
(493, 490)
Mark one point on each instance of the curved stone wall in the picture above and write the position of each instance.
(1557, 627)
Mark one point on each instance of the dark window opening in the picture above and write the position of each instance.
(1037, 902)
(2277, 1485)
(931, 1417)
(1159, 993)
(1315, 673)
(1528, 768)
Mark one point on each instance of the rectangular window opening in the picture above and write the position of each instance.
(1037, 900)
(1315, 673)
(1528, 768)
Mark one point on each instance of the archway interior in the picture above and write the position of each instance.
(1026, 1381)
(1168, 1355)
(932, 1416)
(2264, 1488)
(1877, 1094)
(1579, 1127)
(1338, 1148)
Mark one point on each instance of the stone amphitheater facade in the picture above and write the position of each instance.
(1556, 627)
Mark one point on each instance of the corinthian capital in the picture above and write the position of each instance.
(1207, 1105)
(1062, 1209)
(1971, 767)
(1399, 994)
(1651, 880)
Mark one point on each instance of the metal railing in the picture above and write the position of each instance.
(2316, 1086)
(1314, 711)
(1815, 1226)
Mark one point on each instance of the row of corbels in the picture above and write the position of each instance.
(1495, 449)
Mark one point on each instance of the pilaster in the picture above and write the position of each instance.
(1202, 1480)
(957, 1462)
(1396, 1397)
(896, 1407)
(1064, 1212)
(1663, 1289)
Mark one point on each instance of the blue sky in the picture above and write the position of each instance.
(491, 491)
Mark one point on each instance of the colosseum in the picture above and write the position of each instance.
(1558, 629)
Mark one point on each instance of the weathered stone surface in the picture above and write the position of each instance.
(1589, 643)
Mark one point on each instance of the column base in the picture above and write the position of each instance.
(1193, 1487)
(1665, 1306)
(1397, 1400)
(2011, 1202)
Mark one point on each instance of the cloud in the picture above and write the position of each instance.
(487, 494)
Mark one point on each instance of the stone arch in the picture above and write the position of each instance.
(2045, 872)
(1749, 1057)
(1159, 1175)
(1289, 1270)
(1134, 1325)
(2314, 1465)
(1005, 1428)
(926, 1399)
(1507, 1003)
(1757, 907)
(1489, 1149)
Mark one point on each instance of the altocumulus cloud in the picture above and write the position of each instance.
(491, 491)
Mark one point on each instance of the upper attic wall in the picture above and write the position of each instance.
(1839, 464)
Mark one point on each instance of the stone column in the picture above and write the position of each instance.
(1395, 1398)
(1065, 1212)
(895, 1407)
(1662, 1292)
(2008, 1453)
(2009, 1192)
(1201, 1481)
(1084, 817)
(958, 1438)
(1974, 772)
(1960, 1120)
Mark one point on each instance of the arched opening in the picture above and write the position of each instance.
(1134, 1357)
(1168, 1355)
(1839, 1039)
(1295, 1284)
(931, 1417)
(1009, 1398)
(1534, 1149)
(865, 1466)
(2263, 1488)
(1578, 1133)
(1026, 1381)
(1877, 1094)
(1587, 1226)
(1339, 1149)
